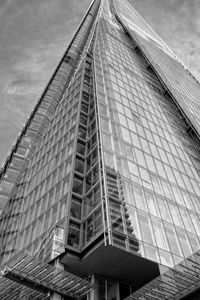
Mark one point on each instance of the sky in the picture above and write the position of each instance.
(35, 33)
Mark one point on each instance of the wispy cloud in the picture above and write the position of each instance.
(35, 33)
(178, 23)
(33, 37)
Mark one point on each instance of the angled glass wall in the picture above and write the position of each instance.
(184, 87)
(37, 176)
(119, 158)
(151, 176)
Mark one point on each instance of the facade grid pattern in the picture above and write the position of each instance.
(142, 142)
(116, 172)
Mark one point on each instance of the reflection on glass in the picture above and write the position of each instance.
(186, 220)
(160, 234)
(151, 252)
(134, 172)
(139, 198)
(166, 258)
(173, 240)
(109, 159)
(194, 242)
(164, 210)
(146, 229)
(176, 215)
(134, 220)
(184, 243)
(152, 204)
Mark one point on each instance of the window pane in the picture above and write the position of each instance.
(146, 229)
(172, 237)
(160, 234)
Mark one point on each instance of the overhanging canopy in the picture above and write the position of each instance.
(174, 284)
(30, 276)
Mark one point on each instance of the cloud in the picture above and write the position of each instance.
(19, 87)
(178, 23)
(34, 35)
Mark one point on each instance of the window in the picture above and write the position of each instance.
(164, 210)
(173, 240)
(146, 229)
(160, 234)
(187, 251)
(74, 234)
(76, 206)
(176, 215)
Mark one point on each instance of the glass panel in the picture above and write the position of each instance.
(160, 234)
(74, 234)
(152, 204)
(146, 229)
(164, 210)
(139, 198)
(176, 215)
(134, 220)
(166, 258)
(151, 253)
(186, 220)
(184, 243)
(173, 240)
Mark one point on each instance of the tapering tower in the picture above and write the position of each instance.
(103, 181)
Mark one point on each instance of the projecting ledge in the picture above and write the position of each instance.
(114, 263)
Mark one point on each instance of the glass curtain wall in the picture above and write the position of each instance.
(40, 198)
(151, 177)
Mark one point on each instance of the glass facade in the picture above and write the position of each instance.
(179, 81)
(117, 164)
(147, 149)
(36, 184)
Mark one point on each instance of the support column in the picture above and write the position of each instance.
(113, 291)
(104, 289)
(59, 266)
(55, 296)
(94, 293)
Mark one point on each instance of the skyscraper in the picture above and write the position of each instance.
(100, 193)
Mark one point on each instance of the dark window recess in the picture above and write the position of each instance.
(97, 195)
(94, 156)
(74, 234)
(77, 185)
(76, 206)
(82, 132)
(88, 181)
(95, 175)
(86, 79)
(91, 105)
(92, 116)
(84, 108)
(89, 229)
(81, 148)
(88, 163)
(91, 159)
(88, 204)
(98, 224)
(91, 143)
(85, 97)
(93, 140)
(79, 165)
(88, 65)
(93, 126)
(87, 71)
(83, 119)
